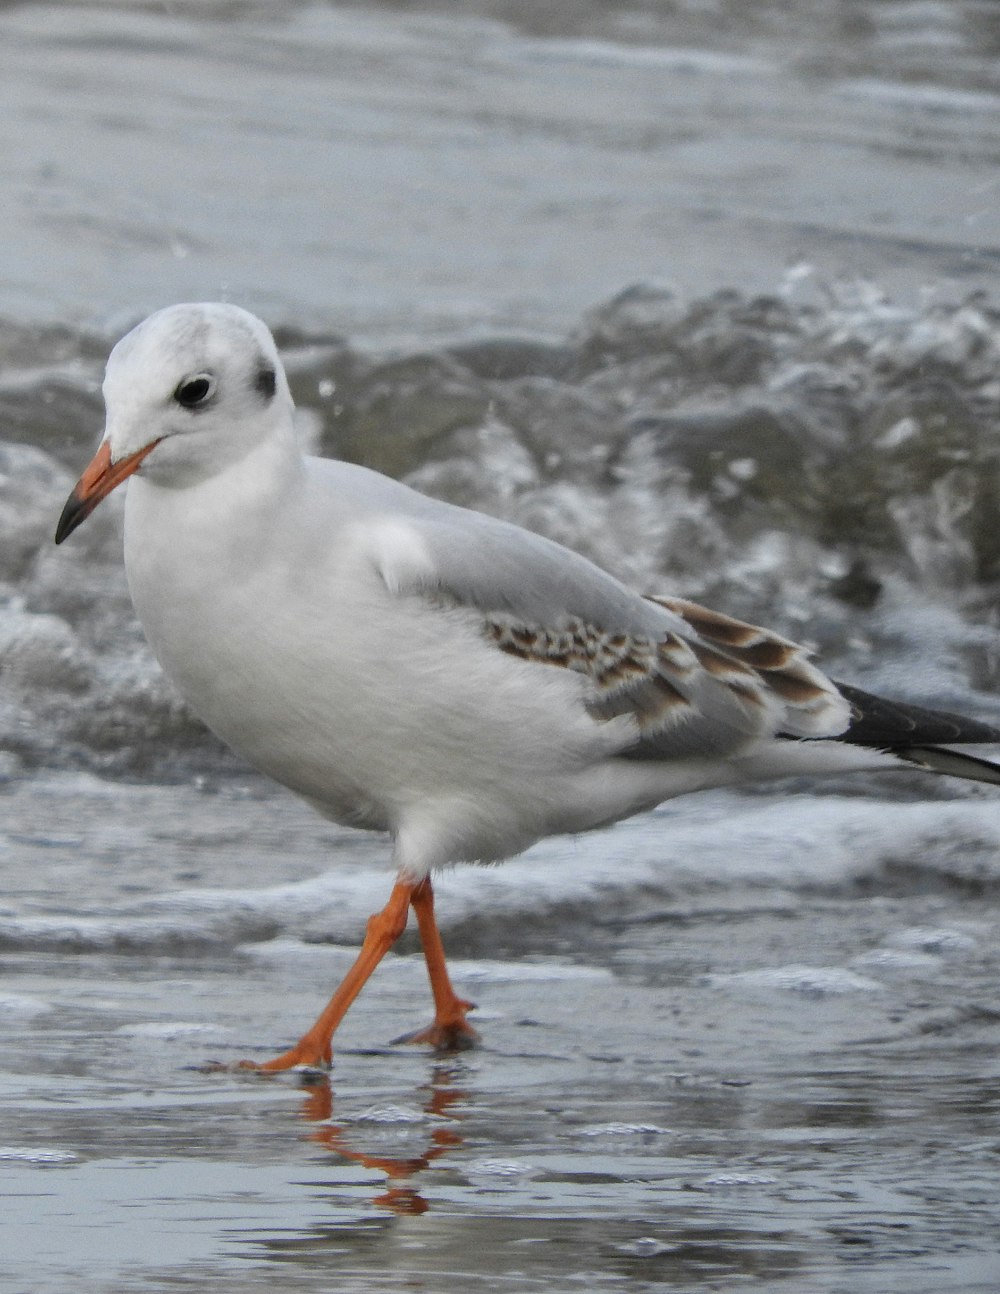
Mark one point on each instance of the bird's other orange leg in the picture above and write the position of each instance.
(384, 928)
(450, 1030)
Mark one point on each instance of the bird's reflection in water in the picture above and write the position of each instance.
(401, 1197)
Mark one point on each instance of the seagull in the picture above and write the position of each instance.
(415, 668)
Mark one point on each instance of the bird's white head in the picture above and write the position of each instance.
(192, 389)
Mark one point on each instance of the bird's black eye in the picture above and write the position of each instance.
(195, 391)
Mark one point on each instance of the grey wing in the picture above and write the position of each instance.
(695, 682)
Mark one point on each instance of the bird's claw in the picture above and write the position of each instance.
(308, 1068)
(454, 1036)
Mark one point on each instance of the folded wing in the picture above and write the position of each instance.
(694, 682)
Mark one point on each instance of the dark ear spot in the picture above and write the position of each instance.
(266, 381)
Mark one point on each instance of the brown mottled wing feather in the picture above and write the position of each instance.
(707, 688)
(813, 705)
(631, 674)
(695, 683)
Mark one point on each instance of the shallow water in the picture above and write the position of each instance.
(786, 1072)
(742, 1040)
(406, 172)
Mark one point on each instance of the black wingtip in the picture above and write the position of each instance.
(895, 725)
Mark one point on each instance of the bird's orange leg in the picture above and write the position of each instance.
(450, 1030)
(384, 928)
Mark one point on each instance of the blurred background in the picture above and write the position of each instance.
(704, 288)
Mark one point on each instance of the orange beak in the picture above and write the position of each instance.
(99, 479)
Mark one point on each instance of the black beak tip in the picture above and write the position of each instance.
(72, 514)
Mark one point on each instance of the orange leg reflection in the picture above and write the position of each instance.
(401, 1197)
(449, 1029)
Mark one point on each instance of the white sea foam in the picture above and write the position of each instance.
(36, 1155)
(810, 981)
(699, 852)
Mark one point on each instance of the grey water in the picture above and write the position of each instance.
(707, 290)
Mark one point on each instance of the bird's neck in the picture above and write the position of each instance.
(233, 510)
